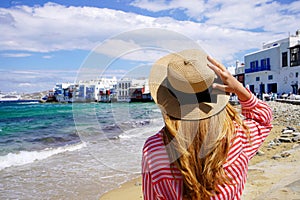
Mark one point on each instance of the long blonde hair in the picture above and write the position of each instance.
(199, 149)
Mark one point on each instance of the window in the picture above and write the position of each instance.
(295, 56)
(257, 78)
(254, 64)
(284, 58)
(270, 77)
(265, 63)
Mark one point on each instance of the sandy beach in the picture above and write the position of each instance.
(273, 173)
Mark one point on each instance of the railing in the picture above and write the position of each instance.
(258, 69)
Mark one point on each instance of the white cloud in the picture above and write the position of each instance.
(144, 45)
(223, 28)
(268, 15)
(294, 7)
(33, 81)
(154, 6)
(192, 7)
(47, 57)
(25, 85)
(116, 47)
(55, 27)
(15, 55)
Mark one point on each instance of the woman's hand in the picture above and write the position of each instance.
(231, 84)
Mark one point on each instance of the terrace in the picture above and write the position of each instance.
(258, 69)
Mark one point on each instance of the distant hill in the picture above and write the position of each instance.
(35, 95)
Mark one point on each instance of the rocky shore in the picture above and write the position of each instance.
(274, 171)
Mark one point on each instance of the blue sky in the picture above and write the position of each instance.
(44, 42)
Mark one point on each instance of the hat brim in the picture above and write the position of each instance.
(169, 104)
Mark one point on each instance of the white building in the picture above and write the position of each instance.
(275, 68)
(63, 92)
(103, 90)
(85, 91)
(129, 89)
(123, 86)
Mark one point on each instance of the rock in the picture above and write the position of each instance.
(287, 135)
(115, 137)
(286, 140)
(296, 133)
(260, 153)
(291, 128)
(277, 141)
(295, 146)
(287, 131)
(285, 154)
(296, 139)
(271, 144)
(275, 157)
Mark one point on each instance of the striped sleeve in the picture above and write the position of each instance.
(258, 117)
(257, 110)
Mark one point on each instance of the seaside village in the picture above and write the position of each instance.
(270, 73)
(101, 90)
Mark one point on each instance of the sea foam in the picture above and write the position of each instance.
(26, 157)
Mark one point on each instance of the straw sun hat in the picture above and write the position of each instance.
(180, 84)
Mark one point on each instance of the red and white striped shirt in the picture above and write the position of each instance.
(159, 182)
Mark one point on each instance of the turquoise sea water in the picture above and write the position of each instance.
(71, 151)
(27, 127)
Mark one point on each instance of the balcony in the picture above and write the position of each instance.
(258, 69)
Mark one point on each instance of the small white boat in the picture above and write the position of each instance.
(9, 97)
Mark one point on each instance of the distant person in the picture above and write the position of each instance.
(204, 148)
